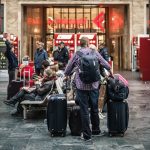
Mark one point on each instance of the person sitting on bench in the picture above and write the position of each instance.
(43, 86)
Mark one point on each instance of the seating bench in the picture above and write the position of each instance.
(39, 105)
(42, 105)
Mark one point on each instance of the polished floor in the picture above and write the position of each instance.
(32, 134)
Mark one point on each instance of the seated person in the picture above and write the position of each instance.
(43, 87)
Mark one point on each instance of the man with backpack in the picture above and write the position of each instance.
(87, 61)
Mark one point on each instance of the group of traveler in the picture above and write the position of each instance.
(87, 82)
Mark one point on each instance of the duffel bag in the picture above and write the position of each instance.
(117, 88)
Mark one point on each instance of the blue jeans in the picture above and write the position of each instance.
(89, 99)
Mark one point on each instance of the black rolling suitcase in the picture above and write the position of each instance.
(57, 114)
(117, 117)
(14, 88)
(75, 121)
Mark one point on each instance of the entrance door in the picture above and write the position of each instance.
(32, 45)
(116, 52)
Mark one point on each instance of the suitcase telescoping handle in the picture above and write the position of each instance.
(24, 77)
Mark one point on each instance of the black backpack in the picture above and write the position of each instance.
(88, 67)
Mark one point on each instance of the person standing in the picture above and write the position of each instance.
(12, 60)
(62, 54)
(39, 56)
(103, 50)
(87, 93)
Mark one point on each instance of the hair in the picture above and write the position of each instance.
(49, 73)
(45, 63)
(61, 43)
(84, 41)
(60, 66)
(93, 47)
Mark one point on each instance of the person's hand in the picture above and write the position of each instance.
(25, 88)
(66, 78)
(111, 74)
(4, 39)
(37, 82)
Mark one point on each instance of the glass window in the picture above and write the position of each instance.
(87, 20)
(72, 20)
(65, 19)
(33, 30)
(57, 20)
(50, 20)
(94, 13)
(79, 20)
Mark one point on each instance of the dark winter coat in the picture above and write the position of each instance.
(104, 53)
(12, 59)
(39, 57)
(61, 55)
(40, 92)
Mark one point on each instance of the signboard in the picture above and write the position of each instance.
(68, 39)
(2, 44)
(3, 60)
(15, 43)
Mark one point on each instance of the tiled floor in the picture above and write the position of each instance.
(32, 134)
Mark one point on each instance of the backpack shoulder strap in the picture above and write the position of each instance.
(79, 53)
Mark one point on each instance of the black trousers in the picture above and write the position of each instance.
(88, 99)
(11, 74)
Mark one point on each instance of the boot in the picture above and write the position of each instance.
(18, 111)
(15, 99)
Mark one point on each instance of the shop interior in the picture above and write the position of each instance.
(109, 22)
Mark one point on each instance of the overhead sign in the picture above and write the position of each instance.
(99, 20)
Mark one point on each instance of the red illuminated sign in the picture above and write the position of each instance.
(67, 21)
(68, 39)
(98, 20)
(116, 21)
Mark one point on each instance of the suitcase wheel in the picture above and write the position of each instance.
(110, 134)
(63, 134)
(52, 135)
(122, 134)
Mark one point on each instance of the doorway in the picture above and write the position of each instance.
(117, 52)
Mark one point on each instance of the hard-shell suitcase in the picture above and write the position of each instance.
(57, 114)
(75, 124)
(117, 117)
(14, 88)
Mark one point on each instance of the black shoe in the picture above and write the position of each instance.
(9, 102)
(98, 133)
(85, 139)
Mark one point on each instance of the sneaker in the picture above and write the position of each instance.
(15, 113)
(9, 102)
(82, 138)
(98, 133)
